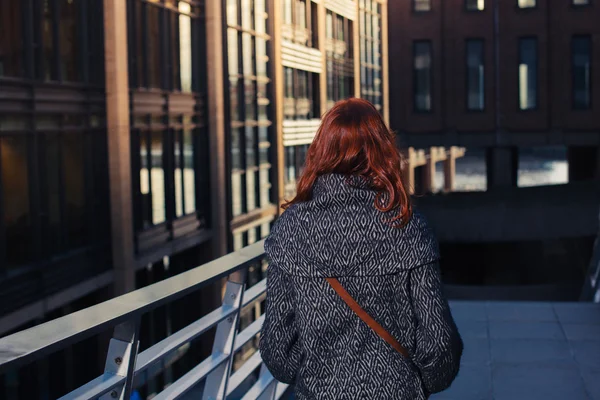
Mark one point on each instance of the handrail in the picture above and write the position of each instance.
(591, 286)
(125, 369)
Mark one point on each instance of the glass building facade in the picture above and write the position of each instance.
(284, 63)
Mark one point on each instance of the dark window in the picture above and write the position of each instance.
(295, 157)
(161, 41)
(11, 39)
(422, 5)
(527, 3)
(581, 52)
(528, 73)
(581, 2)
(370, 52)
(51, 40)
(422, 75)
(475, 5)
(475, 75)
(16, 206)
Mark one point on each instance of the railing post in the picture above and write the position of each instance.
(271, 390)
(216, 381)
(121, 358)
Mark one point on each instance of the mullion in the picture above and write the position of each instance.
(182, 167)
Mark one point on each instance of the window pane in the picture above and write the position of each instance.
(301, 14)
(247, 14)
(422, 76)
(189, 174)
(185, 47)
(232, 12)
(157, 176)
(68, 40)
(146, 214)
(48, 42)
(527, 3)
(251, 190)
(236, 193)
(582, 54)
(422, 5)
(52, 216)
(527, 73)
(14, 176)
(74, 169)
(11, 39)
(153, 61)
(178, 175)
(475, 5)
(475, 75)
(287, 12)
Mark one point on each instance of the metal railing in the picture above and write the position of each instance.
(125, 369)
(591, 285)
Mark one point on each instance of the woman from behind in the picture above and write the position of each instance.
(354, 306)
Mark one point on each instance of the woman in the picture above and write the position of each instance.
(352, 220)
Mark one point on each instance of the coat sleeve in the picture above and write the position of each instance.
(439, 346)
(279, 345)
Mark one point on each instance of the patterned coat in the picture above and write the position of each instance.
(312, 339)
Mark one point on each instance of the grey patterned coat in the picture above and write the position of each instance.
(312, 339)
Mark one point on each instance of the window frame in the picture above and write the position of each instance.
(431, 109)
(482, 41)
(581, 6)
(520, 39)
(414, 7)
(474, 10)
(591, 60)
(519, 7)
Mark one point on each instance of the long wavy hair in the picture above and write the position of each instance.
(354, 140)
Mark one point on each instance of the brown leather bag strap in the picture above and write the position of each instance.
(367, 319)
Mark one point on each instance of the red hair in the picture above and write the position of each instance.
(354, 140)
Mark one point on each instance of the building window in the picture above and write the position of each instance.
(295, 158)
(475, 75)
(422, 75)
(299, 19)
(57, 45)
(370, 52)
(169, 141)
(527, 3)
(421, 5)
(250, 125)
(475, 5)
(581, 2)
(528, 73)
(160, 45)
(301, 99)
(339, 58)
(581, 53)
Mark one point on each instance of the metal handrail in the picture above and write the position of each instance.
(126, 369)
(591, 286)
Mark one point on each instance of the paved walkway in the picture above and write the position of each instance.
(524, 350)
